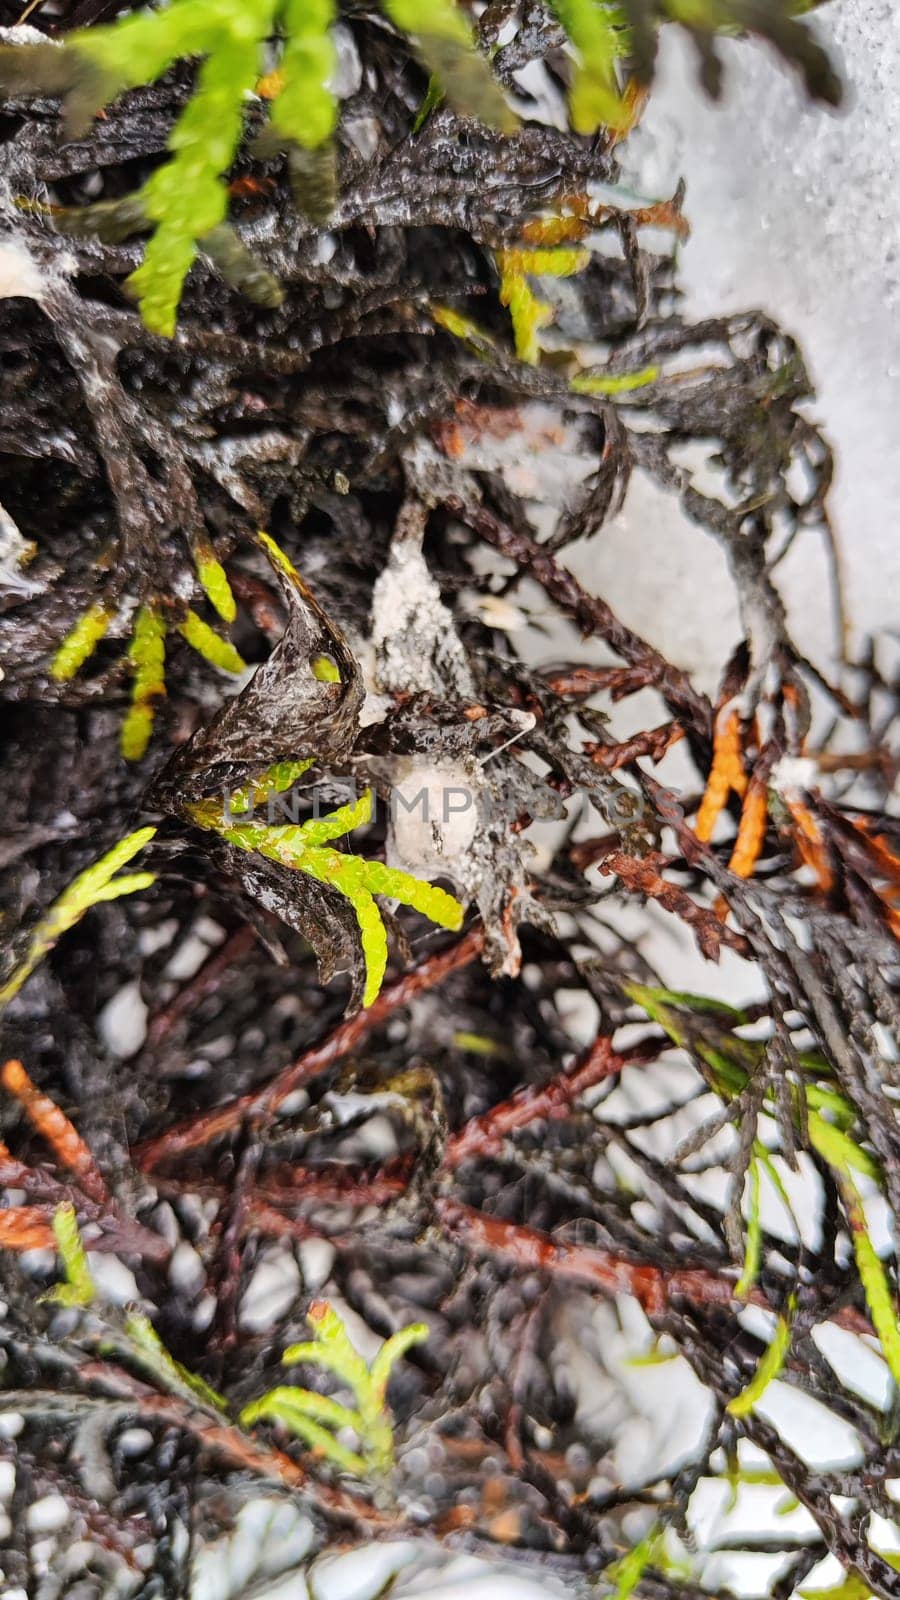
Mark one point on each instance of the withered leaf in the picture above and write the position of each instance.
(284, 713)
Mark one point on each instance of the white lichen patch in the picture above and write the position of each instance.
(792, 774)
(434, 818)
(449, 816)
(417, 649)
(15, 553)
(23, 33)
(21, 276)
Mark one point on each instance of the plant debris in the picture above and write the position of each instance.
(305, 552)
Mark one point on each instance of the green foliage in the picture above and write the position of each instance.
(735, 1475)
(613, 383)
(146, 653)
(277, 556)
(304, 847)
(462, 327)
(753, 1253)
(651, 1551)
(598, 33)
(626, 1573)
(769, 1366)
(184, 202)
(79, 1288)
(324, 670)
(148, 1348)
(214, 581)
(279, 778)
(187, 197)
(147, 659)
(443, 40)
(219, 652)
(316, 1418)
(527, 313)
(305, 111)
(80, 643)
(312, 1417)
(654, 1357)
(874, 1279)
(704, 1027)
(852, 1587)
(96, 884)
(479, 1044)
(141, 1340)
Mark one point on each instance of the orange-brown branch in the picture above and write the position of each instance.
(533, 1251)
(54, 1126)
(725, 775)
(27, 1228)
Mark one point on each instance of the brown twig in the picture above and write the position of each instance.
(643, 875)
(594, 616)
(617, 682)
(26, 1228)
(532, 1251)
(238, 1448)
(204, 983)
(196, 1131)
(485, 1135)
(118, 1233)
(726, 774)
(653, 743)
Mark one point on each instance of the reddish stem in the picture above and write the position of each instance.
(27, 1228)
(119, 1233)
(592, 614)
(198, 1130)
(204, 983)
(232, 1444)
(59, 1132)
(485, 1135)
(532, 1251)
(652, 742)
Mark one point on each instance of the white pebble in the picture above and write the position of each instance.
(271, 1292)
(122, 1024)
(47, 1515)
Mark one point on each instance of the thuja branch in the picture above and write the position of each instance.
(231, 1444)
(63, 1138)
(185, 201)
(304, 847)
(197, 1131)
(27, 1227)
(530, 1250)
(486, 1135)
(592, 615)
(97, 884)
